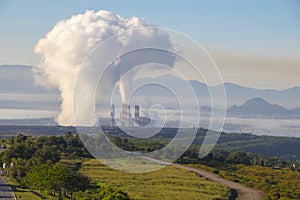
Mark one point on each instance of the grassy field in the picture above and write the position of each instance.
(280, 184)
(167, 183)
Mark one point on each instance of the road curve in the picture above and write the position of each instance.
(6, 192)
(244, 193)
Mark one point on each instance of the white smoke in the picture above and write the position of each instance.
(66, 46)
(124, 87)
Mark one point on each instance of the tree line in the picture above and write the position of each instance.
(35, 164)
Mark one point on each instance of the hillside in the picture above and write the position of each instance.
(259, 107)
(67, 155)
(168, 183)
(281, 147)
(22, 82)
(275, 183)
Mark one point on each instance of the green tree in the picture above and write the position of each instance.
(55, 179)
(108, 193)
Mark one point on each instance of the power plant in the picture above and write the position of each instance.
(126, 119)
(112, 115)
(136, 115)
(125, 115)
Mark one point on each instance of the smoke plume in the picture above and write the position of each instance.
(66, 46)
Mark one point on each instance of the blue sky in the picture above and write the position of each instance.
(247, 29)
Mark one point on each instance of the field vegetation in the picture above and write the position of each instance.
(59, 167)
(277, 184)
(167, 183)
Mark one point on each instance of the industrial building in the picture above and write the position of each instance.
(126, 119)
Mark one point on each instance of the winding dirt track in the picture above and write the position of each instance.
(244, 193)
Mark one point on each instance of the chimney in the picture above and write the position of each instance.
(136, 115)
(112, 116)
(125, 115)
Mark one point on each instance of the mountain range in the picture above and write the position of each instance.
(18, 90)
(259, 107)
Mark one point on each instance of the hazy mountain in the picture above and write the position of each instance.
(260, 107)
(296, 110)
(29, 121)
(18, 90)
(29, 105)
(20, 79)
(237, 94)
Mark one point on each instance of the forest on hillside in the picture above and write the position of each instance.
(55, 166)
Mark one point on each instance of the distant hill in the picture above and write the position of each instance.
(296, 110)
(18, 81)
(29, 122)
(287, 148)
(19, 91)
(258, 107)
(12, 130)
(280, 147)
(237, 94)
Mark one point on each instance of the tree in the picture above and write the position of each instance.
(239, 158)
(55, 178)
(108, 193)
(76, 182)
(47, 154)
(38, 178)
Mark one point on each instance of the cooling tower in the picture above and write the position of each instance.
(125, 115)
(136, 115)
(112, 116)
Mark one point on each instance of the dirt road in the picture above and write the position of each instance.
(244, 193)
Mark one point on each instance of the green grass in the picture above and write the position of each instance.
(167, 183)
(283, 184)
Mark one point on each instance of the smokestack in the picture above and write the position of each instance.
(125, 115)
(136, 115)
(112, 115)
(71, 42)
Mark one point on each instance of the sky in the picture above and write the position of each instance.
(254, 43)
